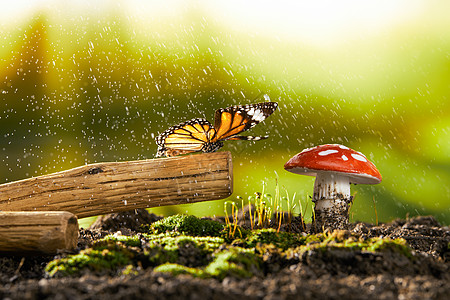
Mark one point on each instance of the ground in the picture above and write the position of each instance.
(420, 272)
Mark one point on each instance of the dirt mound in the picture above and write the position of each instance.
(422, 273)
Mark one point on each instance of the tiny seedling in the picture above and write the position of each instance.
(264, 210)
(232, 226)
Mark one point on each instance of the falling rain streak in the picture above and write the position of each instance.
(80, 87)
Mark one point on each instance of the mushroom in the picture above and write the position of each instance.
(335, 167)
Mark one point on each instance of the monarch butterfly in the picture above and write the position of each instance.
(199, 135)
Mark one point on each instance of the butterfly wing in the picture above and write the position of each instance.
(247, 138)
(186, 137)
(199, 135)
(233, 120)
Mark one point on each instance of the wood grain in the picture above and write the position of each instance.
(103, 188)
(37, 232)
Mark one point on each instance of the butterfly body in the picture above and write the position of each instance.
(199, 135)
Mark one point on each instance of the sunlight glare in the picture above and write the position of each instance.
(317, 22)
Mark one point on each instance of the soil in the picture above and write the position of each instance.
(335, 274)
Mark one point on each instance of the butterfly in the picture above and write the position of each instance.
(199, 135)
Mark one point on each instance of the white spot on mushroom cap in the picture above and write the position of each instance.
(327, 152)
(359, 157)
(344, 157)
(343, 147)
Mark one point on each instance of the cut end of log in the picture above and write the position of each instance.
(38, 232)
(72, 233)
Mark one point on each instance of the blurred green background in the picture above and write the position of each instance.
(91, 81)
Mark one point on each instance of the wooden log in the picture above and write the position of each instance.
(108, 187)
(38, 232)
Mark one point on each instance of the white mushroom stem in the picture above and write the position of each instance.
(331, 198)
(331, 186)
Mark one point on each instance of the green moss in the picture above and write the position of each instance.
(109, 253)
(176, 269)
(188, 225)
(234, 262)
(92, 259)
(129, 270)
(215, 256)
(341, 239)
(313, 238)
(157, 255)
(170, 243)
(132, 241)
(161, 248)
(282, 240)
(397, 245)
(231, 233)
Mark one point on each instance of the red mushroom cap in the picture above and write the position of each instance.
(334, 158)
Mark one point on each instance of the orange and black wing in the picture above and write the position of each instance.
(189, 136)
(234, 120)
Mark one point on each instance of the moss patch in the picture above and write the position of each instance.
(176, 269)
(184, 224)
(106, 256)
(234, 262)
(187, 250)
(282, 240)
(342, 239)
(181, 245)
